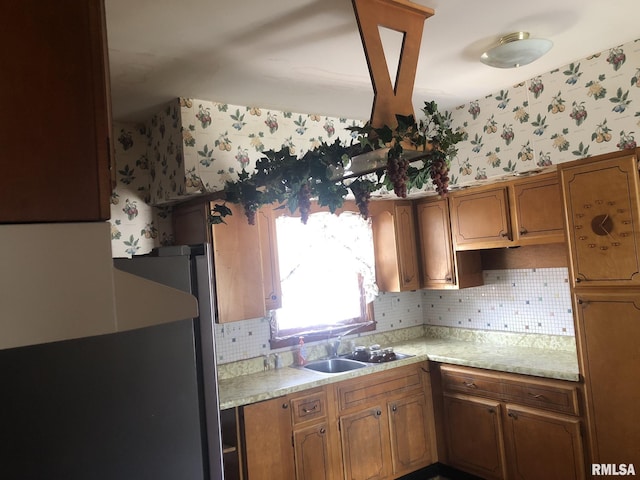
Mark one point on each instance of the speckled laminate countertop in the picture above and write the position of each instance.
(558, 364)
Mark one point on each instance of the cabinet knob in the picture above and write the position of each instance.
(578, 280)
(512, 415)
(504, 235)
(448, 278)
(322, 431)
(285, 405)
(523, 231)
(394, 408)
(378, 413)
(491, 410)
(470, 384)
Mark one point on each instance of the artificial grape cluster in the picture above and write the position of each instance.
(362, 196)
(250, 212)
(304, 202)
(440, 175)
(397, 171)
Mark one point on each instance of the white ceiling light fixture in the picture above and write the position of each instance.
(515, 50)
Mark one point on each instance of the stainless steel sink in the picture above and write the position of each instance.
(335, 365)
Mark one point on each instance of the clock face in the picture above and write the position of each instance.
(602, 224)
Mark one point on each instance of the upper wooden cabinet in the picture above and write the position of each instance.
(601, 196)
(56, 143)
(241, 257)
(394, 241)
(536, 208)
(526, 211)
(441, 266)
(480, 218)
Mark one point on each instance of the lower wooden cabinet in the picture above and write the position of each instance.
(365, 443)
(377, 426)
(473, 429)
(312, 452)
(543, 445)
(506, 426)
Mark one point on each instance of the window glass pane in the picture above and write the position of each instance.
(326, 270)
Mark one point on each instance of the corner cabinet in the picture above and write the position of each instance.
(506, 426)
(441, 266)
(394, 240)
(56, 125)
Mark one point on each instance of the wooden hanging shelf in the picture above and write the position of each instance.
(404, 17)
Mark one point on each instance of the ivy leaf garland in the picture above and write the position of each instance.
(283, 178)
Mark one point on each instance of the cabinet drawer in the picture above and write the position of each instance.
(559, 398)
(310, 407)
(371, 387)
(471, 382)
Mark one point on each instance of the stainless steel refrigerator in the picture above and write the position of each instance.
(139, 404)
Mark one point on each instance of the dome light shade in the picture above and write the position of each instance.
(515, 50)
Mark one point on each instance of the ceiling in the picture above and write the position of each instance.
(306, 56)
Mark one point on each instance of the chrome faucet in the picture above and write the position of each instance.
(334, 346)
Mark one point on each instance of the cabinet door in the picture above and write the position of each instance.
(396, 251)
(270, 267)
(435, 243)
(55, 125)
(312, 458)
(238, 268)
(473, 429)
(543, 445)
(480, 219)
(412, 446)
(268, 442)
(601, 200)
(538, 210)
(608, 329)
(365, 444)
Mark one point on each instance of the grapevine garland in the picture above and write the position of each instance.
(292, 182)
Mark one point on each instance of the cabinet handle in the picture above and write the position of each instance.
(470, 384)
(523, 231)
(448, 278)
(309, 410)
(537, 396)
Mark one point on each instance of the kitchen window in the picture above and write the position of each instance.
(327, 273)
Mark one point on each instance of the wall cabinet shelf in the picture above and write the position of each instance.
(526, 211)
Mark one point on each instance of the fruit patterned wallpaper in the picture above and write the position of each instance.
(588, 107)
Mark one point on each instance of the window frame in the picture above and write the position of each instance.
(289, 337)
